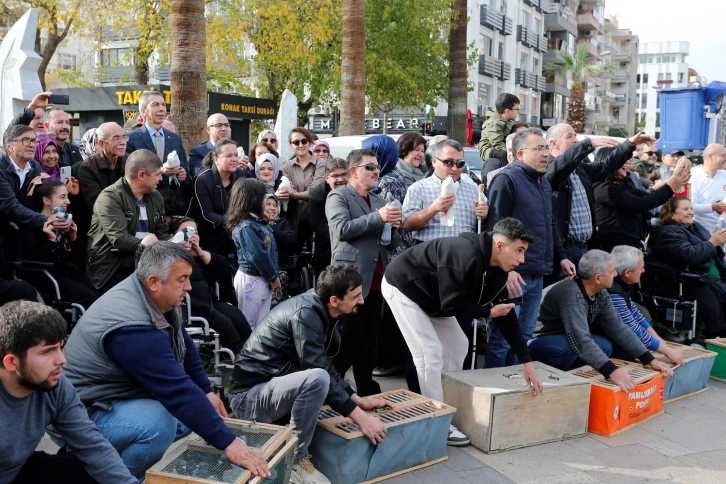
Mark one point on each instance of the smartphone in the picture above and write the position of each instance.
(65, 173)
(517, 301)
(59, 99)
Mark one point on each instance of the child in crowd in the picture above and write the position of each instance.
(257, 276)
(497, 127)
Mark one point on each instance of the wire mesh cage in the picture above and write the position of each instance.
(280, 465)
(255, 435)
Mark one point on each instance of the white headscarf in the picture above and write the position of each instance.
(266, 132)
(272, 159)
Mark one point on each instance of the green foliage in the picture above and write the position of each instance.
(406, 52)
(70, 77)
(576, 65)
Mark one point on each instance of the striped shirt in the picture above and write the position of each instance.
(634, 319)
(142, 227)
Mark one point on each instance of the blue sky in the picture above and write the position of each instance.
(700, 22)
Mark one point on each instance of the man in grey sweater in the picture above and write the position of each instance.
(579, 322)
(34, 393)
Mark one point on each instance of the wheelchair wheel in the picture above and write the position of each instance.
(308, 278)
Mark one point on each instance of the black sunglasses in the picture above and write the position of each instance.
(299, 142)
(269, 140)
(649, 153)
(450, 163)
(369, 166)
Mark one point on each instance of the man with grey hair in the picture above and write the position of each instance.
(153, 137)
(630, 265)
(580, 325)
(125, 214)
(138, 372)
(106, 165)
(522, 191)
(572, 176)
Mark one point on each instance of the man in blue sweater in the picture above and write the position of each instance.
(34, 393)
(630, 265)
(136, 368)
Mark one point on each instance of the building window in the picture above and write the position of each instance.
(616, 113)
(66, 61)
(650, 59)
(524, 61)
(526, 19)
(660, 76)
(485, 45)
(503, 7)
(535, 67)
(643, 59)
(658, 59)
(571, 44)
(501, 51)
(645, 100)
(637, 79)
(645, 81)
(637, 101)
(668, 76)
(680, 78)
(117, 57)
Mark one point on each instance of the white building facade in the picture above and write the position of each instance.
(660, 65)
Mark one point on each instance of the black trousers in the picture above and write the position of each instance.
(608, 241)
(711, 298)
(59, 469)
(16, 291)
(231, 324)
(358, 344)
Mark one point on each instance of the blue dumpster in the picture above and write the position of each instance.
(683, 121)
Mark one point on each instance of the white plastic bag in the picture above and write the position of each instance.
(285, 183)
(172, 161)
(448, 187)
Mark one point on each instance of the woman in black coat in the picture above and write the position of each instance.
(211, 195)
(682, 243)
(620, 207)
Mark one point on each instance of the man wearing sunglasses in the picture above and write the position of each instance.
(644, 163)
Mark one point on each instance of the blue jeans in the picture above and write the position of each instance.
(140, 430)
(554, 350)
(498, 352)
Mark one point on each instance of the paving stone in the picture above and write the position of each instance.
(586, 444)
(539, 461)
(624, 476)
(716, 396)
(408, 478)
(690, 411)
(702, 435)
(639, 462)
(439, 474)
(574, 478)
(635, 435)
(485, 475)
(459, 461)
(715, 460)
(668, 448)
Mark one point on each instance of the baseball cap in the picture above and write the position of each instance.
(131, 124)
(677, 152)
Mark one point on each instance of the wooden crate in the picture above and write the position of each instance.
(613, 410)
(497, 410)
(417, 432)
(718, 346)
(689, 378)
(195, 462)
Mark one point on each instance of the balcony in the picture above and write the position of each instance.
(595, 81)
(115, 75)
(489, 66)
(592, 103)
(621, 75)
(557, 85)
(604, 119)
(606, 94)
(622, 56)
(163, 74)
(586, 21)
(553, 56)
(560, 19)
(494, 20)
(528, 79)
(506, 73)
(540, 5)
(620, 99)
(592, 46)
(530, 38)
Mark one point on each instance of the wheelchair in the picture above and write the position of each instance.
(208, 345)
(20, 265)
(299, 273)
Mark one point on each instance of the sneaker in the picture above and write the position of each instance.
(456, 438)
(305, 473)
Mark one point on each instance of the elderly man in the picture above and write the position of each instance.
(34, 393)
(708, 186)
(630, 265)
(17, 170)
(572, 178)
(137, 370)
(153, 137)
(125, 213)
(106, 166)
(357, 220)
(522, 191)
(580, 325)
(218, 128)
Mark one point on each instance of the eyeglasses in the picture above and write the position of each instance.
(117, 138)
(540, 148)
(321, 151)
(269, 140)
(219, 125)
(299, 142)
(515, 109)
(25, 141)
(450, 163)
(369, 166)
(338, 177)
(649, 153)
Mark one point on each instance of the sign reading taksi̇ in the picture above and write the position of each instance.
(132, 97)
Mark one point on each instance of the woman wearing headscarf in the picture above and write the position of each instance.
(321, 149)
(46, 152)
(269, 136)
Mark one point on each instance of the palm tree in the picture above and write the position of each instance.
(353, 69)
(189, 69)
(577, 66)
(458, 87)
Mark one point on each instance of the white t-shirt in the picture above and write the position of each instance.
(705, 191)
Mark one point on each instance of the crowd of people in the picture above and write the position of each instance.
(408, 258)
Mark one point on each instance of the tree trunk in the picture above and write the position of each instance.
(576, 108)
(353, 69)
(189, 70)
(141, 66)
(51, 44)
(456, 116)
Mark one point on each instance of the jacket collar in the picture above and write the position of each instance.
(358, 198)
(528, 170)
(102, 161)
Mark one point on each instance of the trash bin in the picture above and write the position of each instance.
(684, 124)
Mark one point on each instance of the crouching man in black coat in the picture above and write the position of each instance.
(427, 284)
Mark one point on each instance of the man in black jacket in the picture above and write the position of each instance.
(572, 177)
(336, 176)
(285, 367)
(428, 284)
(522, 191)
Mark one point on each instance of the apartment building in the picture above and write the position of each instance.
(660, 65)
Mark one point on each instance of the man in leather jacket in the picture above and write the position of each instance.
(285, 367)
